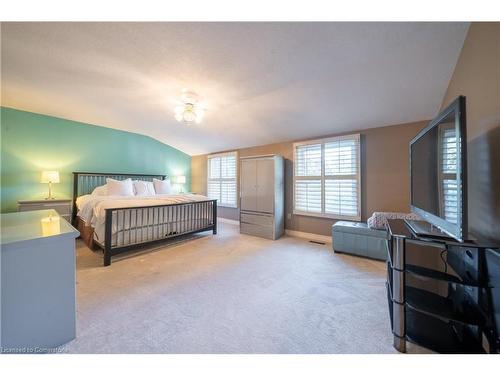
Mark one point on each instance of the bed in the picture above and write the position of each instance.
(120, 224)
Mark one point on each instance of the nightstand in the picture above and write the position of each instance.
(62, 206)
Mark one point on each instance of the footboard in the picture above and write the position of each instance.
(126, 228)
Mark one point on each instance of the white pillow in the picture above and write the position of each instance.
(100, 190)
(116, 187)
(162, 186)
(144, 188)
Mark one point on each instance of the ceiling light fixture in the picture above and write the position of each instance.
(190, 108)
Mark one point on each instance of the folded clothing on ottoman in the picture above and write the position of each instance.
(379, 219)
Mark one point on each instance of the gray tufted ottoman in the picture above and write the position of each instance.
(357, 239)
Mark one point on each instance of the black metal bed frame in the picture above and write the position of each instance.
(159, 222)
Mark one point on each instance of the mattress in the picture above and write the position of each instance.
(140, 225)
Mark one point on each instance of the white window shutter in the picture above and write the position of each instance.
(213, 189)
(308, 195)
(308, 160)
(327, 178)
(214, 168)
(341, 157)
(221, 184)
(228, 167)
(341, 197)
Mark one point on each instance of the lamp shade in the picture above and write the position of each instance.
(181, 179)
(50, 176)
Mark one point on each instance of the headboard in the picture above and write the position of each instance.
(86, 182)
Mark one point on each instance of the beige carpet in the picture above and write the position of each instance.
(231, 293)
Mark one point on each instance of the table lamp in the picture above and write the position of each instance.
(181, 180)
(50, 177)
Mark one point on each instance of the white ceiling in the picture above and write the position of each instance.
(262, 82)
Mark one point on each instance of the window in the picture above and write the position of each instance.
(327, 178)
(222, 179)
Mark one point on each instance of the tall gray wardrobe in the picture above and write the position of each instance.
(262, 198)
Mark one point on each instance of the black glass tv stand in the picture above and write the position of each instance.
(423, 228)
(440, 292)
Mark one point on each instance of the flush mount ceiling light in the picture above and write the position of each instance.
(190, 108)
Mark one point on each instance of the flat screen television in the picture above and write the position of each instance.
(438, 172)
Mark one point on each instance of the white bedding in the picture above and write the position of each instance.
(91, 208)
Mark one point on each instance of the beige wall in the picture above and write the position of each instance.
(384, 175)
(477, 76)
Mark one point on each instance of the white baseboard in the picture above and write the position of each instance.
(309, 236)
(228, 221)
(292, 233)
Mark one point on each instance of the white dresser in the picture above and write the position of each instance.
(62, 206)
(262, 200)
(38, 302)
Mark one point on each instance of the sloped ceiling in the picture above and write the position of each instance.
(261, 82)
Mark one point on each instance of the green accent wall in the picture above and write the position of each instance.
(31, 143)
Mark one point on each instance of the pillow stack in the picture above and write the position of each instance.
(128, 188)
(100, 190)
(144, 188)
(121, 188)
(162, 186)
